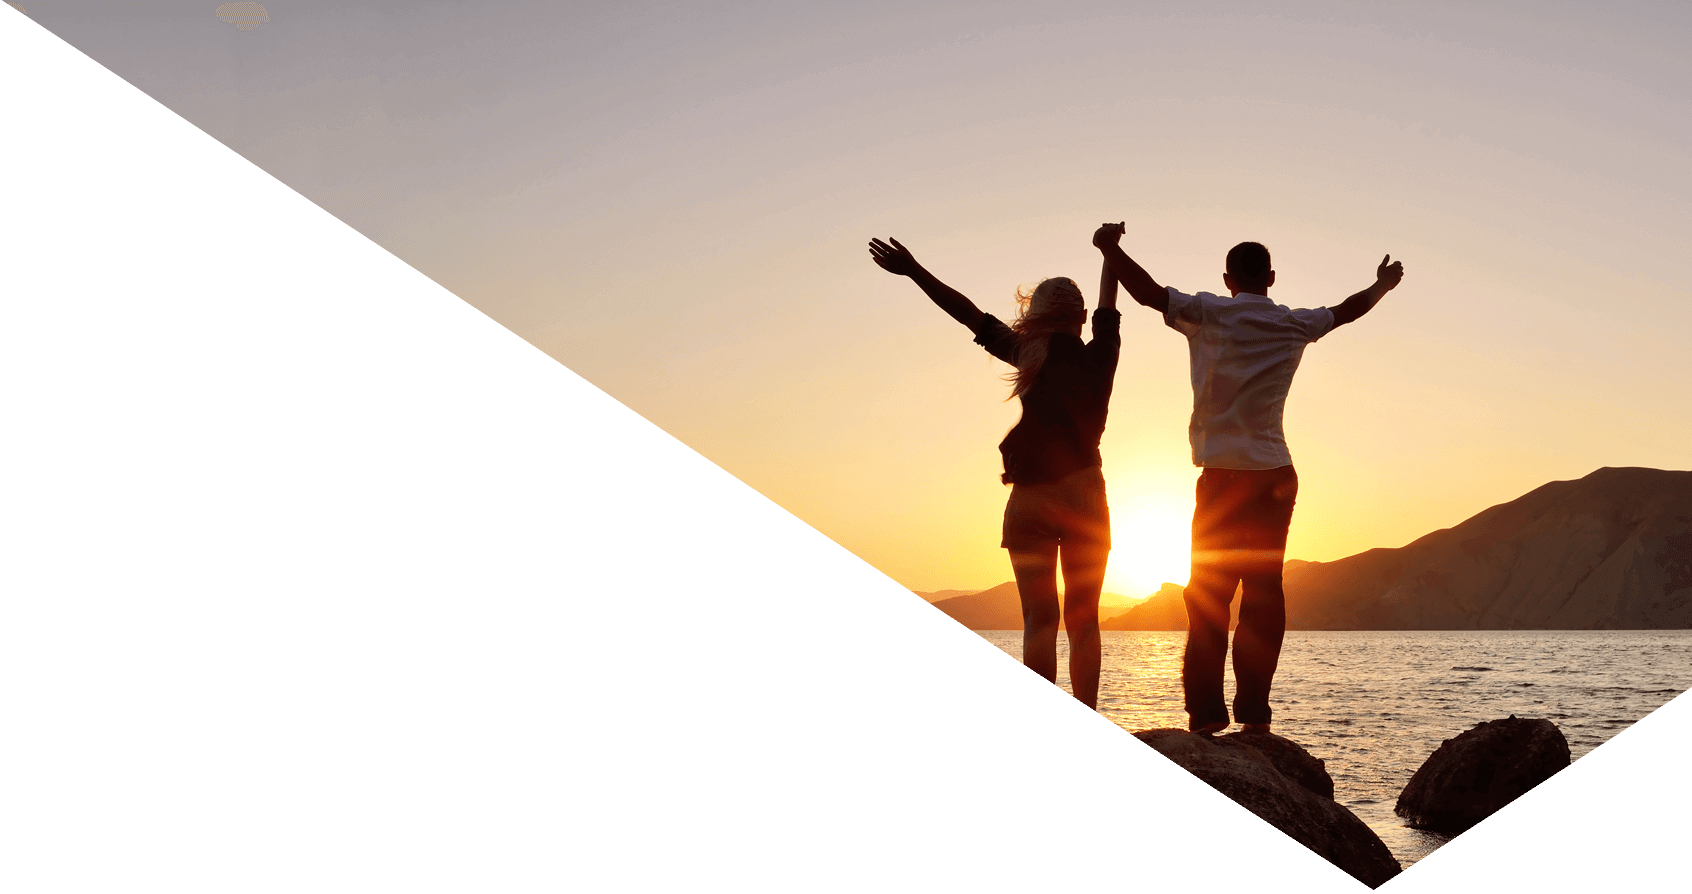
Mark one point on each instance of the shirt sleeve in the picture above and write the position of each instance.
(1316, 323)
(1185, 314)
(997, 338)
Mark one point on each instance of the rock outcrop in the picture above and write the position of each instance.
(1474, 775)
(1292, 760)
(1298, 800)
(1165, 610)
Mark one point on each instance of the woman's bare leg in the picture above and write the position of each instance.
(1036, 581)
(1083, 578)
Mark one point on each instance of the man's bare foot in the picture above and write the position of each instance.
(1211, 729)
(1254, 727)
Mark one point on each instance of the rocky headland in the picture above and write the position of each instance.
(1611, 551)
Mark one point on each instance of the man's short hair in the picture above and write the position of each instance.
(1248, 264)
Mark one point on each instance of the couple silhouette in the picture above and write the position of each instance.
(1243, 350)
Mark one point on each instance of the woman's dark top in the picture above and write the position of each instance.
(1063, 412)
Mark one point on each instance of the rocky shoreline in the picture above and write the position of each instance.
(1467, 779)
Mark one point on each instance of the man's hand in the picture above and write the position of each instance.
(1109, 234)
(1388, 276)
(893, 258)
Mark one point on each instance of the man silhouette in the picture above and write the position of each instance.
(1243, 350)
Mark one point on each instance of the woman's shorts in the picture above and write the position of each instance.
(1070, 510)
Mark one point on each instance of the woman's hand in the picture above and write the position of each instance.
(1109, 234)
(896, 258)
(893, 258)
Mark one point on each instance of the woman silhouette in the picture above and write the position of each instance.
(1057, 509)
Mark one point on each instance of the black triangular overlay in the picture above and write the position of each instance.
(442, 552)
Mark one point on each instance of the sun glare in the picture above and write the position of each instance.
(1149, 547)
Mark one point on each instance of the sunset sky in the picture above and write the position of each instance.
(673, 201)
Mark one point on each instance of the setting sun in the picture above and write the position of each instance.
(1149, 545)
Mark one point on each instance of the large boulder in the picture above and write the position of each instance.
(1291, 759)
(1470, 777)
(1298, 800)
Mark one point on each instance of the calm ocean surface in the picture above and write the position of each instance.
(1374, 705)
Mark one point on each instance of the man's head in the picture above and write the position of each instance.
(1248, 269)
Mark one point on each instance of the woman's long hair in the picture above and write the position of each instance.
(1054, 305)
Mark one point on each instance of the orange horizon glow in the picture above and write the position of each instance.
(684, 227)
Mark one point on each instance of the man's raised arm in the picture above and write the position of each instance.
(1387, 278)
(1133, 277)
(897, 259)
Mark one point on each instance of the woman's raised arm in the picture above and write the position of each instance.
(1107, 288)
(897, 259)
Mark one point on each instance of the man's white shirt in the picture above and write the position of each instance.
(1244, 351)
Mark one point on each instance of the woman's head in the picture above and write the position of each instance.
(1053, 306)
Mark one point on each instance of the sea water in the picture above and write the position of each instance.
(1375, 704)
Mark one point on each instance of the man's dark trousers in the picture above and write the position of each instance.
(1240, 526)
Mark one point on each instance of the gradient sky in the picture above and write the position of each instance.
(673, 201)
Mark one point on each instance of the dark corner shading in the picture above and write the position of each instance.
(425, 554)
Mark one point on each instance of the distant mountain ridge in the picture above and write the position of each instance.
(1610, 551)
(939, 595)
(1000, 607)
